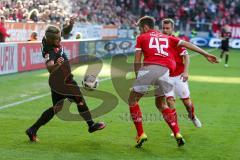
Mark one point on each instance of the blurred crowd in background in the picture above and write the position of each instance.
(199, 14)
(57, 11)
(189, 15)
(33, 11)
(122, 12)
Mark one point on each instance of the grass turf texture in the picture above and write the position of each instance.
(214, 90)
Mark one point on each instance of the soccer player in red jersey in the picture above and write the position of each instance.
(180, 76)
(157, 49)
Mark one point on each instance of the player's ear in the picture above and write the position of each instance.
(145, 28)
(49, 41)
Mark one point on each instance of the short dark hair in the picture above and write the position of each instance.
(168, 21)
(146, 20)
(2, 17)
(52, 31)
(34, 34)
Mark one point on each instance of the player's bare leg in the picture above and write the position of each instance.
(170, 116)
(160, 103)
(171, 102)
(190, 109)
(136, 115)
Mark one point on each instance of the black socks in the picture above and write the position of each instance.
(84, 112)
(45, 117)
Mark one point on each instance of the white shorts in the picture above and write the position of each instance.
(156, 76)
(181, 88)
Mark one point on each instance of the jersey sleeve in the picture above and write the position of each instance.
(138, 46)
(49, 56)
(182, 51)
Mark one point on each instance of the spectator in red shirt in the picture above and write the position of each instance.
(20, 14)
(3, 31)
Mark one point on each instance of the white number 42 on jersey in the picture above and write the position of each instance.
(156, 43)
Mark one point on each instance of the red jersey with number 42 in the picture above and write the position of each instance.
(178, 57)
(158, 48)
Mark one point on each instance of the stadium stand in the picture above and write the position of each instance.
(189, 15)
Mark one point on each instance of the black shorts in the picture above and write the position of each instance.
(225, 48)
(57, 98)
(225, 45)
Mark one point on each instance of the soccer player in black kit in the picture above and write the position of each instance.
(225, 35)
(55, 58)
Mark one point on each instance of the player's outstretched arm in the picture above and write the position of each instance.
(137, 62)
(211, 58)
(186, 67)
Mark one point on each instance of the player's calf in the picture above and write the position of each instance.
(191, 114)
(171, 102)
(189, 107)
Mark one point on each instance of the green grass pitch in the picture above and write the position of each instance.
(215, 91)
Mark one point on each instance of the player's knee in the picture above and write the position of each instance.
(171, 102)
(78, 100)
(158, 101)
(133, 98)
(187, 102)
(80, 103)
(161, 106)
(158, 105)
(57, 108)
(131, 101)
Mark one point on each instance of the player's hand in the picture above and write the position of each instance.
(72, 20)
(211, 58)
(60, 60)
(184, 76)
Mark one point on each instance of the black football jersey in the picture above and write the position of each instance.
(226, 35)
(51, 53)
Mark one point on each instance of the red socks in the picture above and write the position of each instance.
(175, 115)
(136, 115)
(170, 116)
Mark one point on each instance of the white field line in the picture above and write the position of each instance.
(24, 101)
(34, 98)
(46, 94)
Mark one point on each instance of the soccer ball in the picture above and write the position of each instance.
(90, 82)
